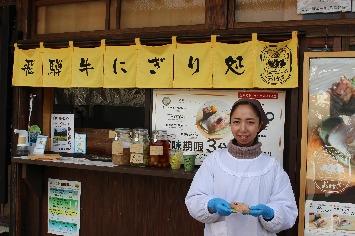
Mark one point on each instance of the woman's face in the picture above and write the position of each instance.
(245, 124)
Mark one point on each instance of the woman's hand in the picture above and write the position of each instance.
(262, 210)
(219, 206)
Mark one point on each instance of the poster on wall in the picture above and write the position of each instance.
(63, 207)
(323, 6)
(329, 130)
(62, 133)
(198, 120)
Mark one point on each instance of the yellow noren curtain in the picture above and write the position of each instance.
(155, 66)
(87, 67)
(233, 65)
(27, 68)
(193, 66)
(57, 64)
(120, 66)
(276, 64)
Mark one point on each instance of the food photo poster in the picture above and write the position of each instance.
(198, 120)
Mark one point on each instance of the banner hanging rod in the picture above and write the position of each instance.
(150, 40)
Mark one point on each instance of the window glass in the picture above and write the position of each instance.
(102, 108)
(155, 13)
(266, 10)
(278, 10)
(73, 17)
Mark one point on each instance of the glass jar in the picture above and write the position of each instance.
(140, 148)
(159, 149)
(121, 147)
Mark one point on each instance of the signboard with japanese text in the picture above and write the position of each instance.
(183, 113)
(251, 64)
(63, 207)
(322, 6)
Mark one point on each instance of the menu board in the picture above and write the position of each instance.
(183, 114)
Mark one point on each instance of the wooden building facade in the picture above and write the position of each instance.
(126, 201)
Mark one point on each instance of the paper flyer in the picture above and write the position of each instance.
(329, 218)
(64, 207)
(62, 133)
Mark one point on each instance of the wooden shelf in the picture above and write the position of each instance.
(167, 173)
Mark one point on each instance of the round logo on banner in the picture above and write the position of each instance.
(276, 64)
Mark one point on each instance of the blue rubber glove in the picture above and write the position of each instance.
(262, 210)
(219, 206)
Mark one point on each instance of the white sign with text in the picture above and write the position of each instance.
(198, 119)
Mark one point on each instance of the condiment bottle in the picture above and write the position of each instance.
(159, 149)
(139, 148)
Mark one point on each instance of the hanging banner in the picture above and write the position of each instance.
(276, 64)
(27, 68)
(322, 6)
(63, 207)
(120, 66)
(155, 66)
(252, 64)
(87, 67)
(193, 66)
(57, 67)
(233, 65)
(198, 120)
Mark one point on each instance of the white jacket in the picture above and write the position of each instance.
(250, 181)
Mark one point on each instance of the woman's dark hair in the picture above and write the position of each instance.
(255, 104)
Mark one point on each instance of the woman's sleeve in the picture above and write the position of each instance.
(200, 193)
(283, 203)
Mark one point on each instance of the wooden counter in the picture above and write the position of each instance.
(79, 163)
(115, 200)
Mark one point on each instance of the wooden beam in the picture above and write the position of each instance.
(108, 15)
(216, 14)
(118, 13)
(57, 2)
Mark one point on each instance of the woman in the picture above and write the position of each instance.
(242, 173)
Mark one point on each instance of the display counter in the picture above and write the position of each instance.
(115, 200)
